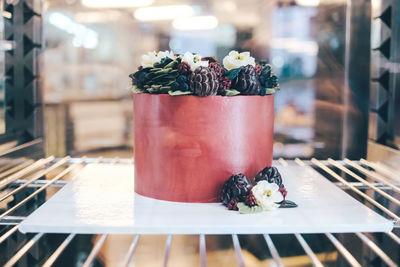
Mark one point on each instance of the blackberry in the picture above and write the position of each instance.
(232, 205)
(217, 68)
(184, 68)
(258, 69)
(250, 200)
(224, 84)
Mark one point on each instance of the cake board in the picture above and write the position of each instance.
(101, 199)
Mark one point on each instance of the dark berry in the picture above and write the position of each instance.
(232, 205)
(217, 68)
(224, 84)
(250, 200)
(258, 69)
(184, 68)
(283, 192)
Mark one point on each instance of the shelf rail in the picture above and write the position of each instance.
(23, 175)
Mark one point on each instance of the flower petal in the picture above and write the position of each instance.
(277, 197)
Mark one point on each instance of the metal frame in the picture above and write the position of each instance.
(19, 179)
(23, 93)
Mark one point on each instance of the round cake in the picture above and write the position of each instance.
(197, 122)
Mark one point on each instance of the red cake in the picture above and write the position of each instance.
(197, 122)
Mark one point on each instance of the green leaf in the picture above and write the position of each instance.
(286, 204)
(270, 91)
(233, 73)
(244, 209)
(231, 92)
(174, 93)
(172, 65)
(154, 69)
(137, 90)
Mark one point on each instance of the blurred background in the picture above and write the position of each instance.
(91, 46)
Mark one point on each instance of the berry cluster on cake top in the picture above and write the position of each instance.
(167, 73)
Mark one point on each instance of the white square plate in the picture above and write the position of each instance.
(101, 199)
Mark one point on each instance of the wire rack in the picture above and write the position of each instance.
(26, 184)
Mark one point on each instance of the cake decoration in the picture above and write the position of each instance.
(166, 73)
(237, 187)
(265, 192)
(203, 82)
(236, 60)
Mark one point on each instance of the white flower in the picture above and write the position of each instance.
(235, 60)
(194, 61)
(150, 58)
(267, 195)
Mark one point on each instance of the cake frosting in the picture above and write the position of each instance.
(190, 74)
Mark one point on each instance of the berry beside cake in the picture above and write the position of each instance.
(198, 122)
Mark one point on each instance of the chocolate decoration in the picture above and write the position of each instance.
(247, 81)
(237, 187)
(186, 147)
(271, 175)
(203, 82)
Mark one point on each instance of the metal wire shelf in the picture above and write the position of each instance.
(374, 184)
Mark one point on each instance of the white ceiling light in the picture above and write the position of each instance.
(163, 12)
(83, 36)
(195, 23)
(116, 3)
(307, 2)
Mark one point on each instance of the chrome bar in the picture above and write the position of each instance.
(283, 162)
(14, 259)
(167, 250)
(381, 168)
(35, 177)
(373, 175)
(38, 183)
(336, 176)
(95, 251)
(16, 168)
(114, 160)
(238, 251)
(273, 251)
(50, 261)
(19, 147)
(11, 220)
(362, 186)
(376, 249)
(314, 259)
(59, 176)
(394, 237)
(7, 166)
(358, 178)
(8, 234)
(203, 253)
(342, 250)
(25, 171)
(300, 162)
(131, 251)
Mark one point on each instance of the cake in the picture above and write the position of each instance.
(200, 124)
